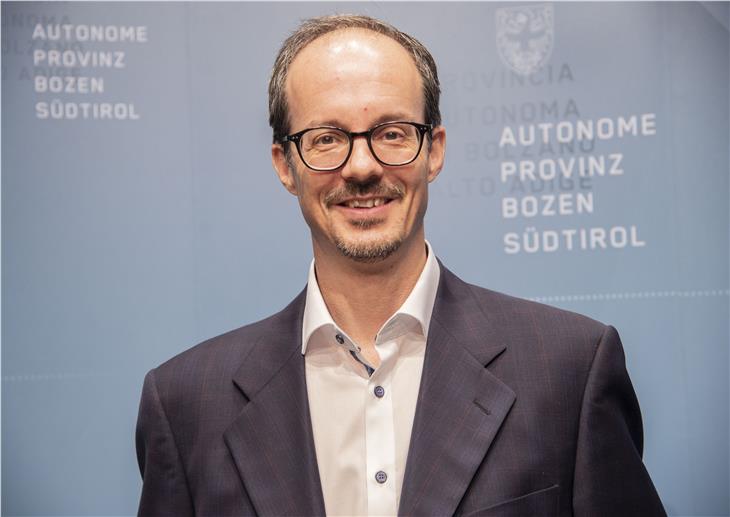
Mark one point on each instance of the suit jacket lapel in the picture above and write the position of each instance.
(271, 440)
(461, 405)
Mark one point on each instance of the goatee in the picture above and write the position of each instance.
(369, 252)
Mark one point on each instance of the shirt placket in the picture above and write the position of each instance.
(380, 434)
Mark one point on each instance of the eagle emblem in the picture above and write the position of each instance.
(525, 36)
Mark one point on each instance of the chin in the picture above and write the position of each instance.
(368, 250)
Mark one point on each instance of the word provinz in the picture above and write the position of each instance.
(548, 169)
(79, 58)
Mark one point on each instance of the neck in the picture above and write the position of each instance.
(362, 296)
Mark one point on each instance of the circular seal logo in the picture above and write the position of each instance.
(525, 36)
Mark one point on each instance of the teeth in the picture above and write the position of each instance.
(365, 203)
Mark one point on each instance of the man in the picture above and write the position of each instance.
(388, 386)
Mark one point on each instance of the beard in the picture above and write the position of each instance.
(370, 251)
(363, 249)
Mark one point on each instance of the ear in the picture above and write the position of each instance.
(436, 152)
(281, 166)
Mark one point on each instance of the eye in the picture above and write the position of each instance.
(392, 134)
(326, 139)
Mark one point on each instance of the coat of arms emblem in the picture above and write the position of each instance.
(525, 36)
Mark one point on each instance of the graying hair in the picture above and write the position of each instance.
(312, 29)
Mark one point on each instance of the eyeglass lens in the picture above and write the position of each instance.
(328, 148)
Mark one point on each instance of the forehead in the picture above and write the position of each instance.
(350, 71)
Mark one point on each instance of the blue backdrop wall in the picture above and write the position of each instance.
(140, 212)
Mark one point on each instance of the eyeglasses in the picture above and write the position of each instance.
(327, 148)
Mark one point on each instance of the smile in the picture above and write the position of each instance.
(365, 203)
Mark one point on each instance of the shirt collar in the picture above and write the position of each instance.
(418, 305)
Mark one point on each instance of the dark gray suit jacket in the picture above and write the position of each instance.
(523, 410)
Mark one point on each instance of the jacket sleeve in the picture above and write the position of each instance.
(610, 478)
(164, 485)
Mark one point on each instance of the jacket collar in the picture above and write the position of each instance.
(271, 439)
(461, 406)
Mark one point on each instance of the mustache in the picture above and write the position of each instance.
(349, 190)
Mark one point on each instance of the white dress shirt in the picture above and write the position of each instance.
(362, 417)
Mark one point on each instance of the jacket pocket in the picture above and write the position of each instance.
(542, 503)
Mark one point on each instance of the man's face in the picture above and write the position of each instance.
(355, 79)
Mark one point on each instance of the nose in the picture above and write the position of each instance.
(361, 167)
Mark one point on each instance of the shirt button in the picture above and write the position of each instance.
(339, 338)
(381, 477)
(379, 391)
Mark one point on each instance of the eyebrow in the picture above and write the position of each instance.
(388, 117)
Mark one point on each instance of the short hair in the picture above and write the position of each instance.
(312, 29)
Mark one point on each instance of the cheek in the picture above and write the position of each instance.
(420, 199)
(419, 193)
(312, 194)
(418, 184)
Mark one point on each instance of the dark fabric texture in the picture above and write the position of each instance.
(523, 410)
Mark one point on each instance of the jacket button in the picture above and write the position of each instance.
(339, 338)
(379, 391)
(381, 477)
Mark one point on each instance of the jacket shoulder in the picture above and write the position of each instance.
(224, 354)
(528, 327)
(522, 308)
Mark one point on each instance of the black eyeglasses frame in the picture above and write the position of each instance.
(296, 139)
